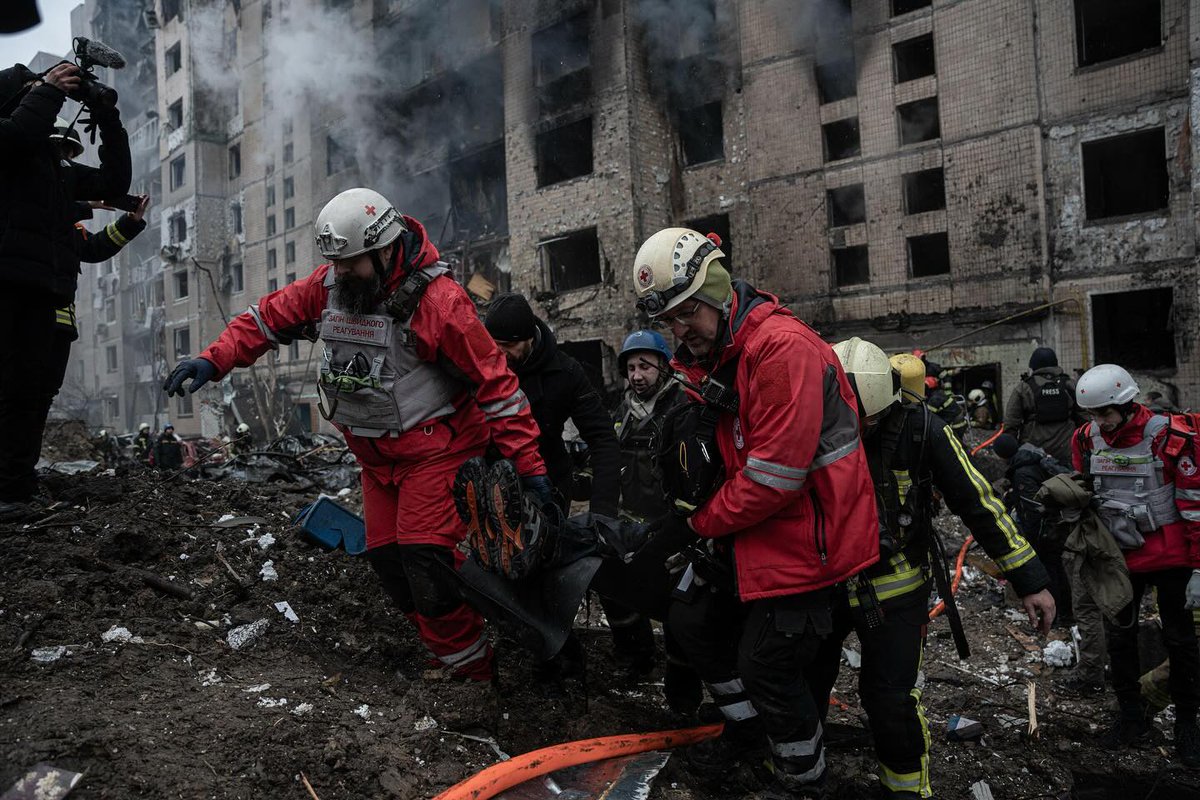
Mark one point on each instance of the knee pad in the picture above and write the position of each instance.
(389, 566)
(429, 571)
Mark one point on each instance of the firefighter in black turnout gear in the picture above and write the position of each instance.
(910, 450)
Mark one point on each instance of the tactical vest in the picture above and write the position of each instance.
(642, 495)
(371, 379)
(1131, 494)
(1051, 398)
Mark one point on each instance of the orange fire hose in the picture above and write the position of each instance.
(518, 769)
(958, 568)
(988, 441)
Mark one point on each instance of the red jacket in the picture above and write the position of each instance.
(1176, 544)
(797, 498)
(446, 326)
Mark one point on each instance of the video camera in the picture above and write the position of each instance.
(92, 93)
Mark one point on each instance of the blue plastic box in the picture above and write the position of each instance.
(330, 524)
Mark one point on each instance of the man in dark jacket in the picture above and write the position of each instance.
(558, 390)
(168, 450)
(1041, 409)
(39, 259)
(1028, 467)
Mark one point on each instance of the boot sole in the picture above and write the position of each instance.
(504, 513)
(470, 501)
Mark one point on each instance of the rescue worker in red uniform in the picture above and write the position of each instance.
(784, 524)
(911, 452)
(1143, 468)
(411, 378)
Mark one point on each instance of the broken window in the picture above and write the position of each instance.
(238, 277)
(178, 231)
(479, 193)
(271, 225)
(110, 358)
(851, 266)
(573, 260)
(718, 224)
(272, 285)
(561, 59)
(841, 139)
(270, 196)
(289, 152)
(919, 121)
(1126, 174)
(170, 10)
(272, 259)
(337, 157)
(289, 218)
(235, 161)
(289, 189)
(847, 205)
(560, 49)
(235, 211)
(174, 58)
(1108, 29)
(1134, 329)
(183, 342)
(183, 406)
(905, 6)
(178, 172)
(564, 152)
(929, 255)
(913, 58)
(837, 79)
(924, 190)
(701, 134)
(181, 284)
(175, 115)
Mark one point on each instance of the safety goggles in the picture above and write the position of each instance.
(655, 303)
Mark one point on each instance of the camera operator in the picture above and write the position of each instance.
(39, 255)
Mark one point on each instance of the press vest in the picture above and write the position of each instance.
(371, 379)
(1133, 498)
(1051, 398)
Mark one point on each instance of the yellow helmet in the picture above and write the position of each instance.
(912, 375)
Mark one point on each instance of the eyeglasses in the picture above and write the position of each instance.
(682, 318)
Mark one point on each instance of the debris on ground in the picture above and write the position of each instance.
(174, 710)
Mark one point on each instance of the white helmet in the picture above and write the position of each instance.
(355, 221)
(145, 426)
(243, 429)
(670, 267)
(103, 434)
(976, 396)
(871, 374)
(1105, 385)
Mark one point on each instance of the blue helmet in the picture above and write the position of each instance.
(649, 341)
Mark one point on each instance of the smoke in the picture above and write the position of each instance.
(680, 38)
(398, 98)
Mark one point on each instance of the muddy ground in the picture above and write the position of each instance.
(343, 695)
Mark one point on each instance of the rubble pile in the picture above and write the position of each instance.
(180, 637)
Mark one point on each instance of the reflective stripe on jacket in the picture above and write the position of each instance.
(797, 497)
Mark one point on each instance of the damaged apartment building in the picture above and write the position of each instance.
(970, 177)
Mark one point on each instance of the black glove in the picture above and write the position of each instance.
(540, 487)
(200, 370)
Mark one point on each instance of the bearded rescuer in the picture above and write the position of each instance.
(415, 384)
(911, 451)
(784, 524)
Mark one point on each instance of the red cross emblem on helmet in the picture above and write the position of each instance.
(645, 277)
(370, 210)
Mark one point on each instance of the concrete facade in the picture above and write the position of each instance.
(1027, 241)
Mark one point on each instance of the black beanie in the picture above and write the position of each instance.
(1043, 357)
(1005, 445)
(510, 319)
